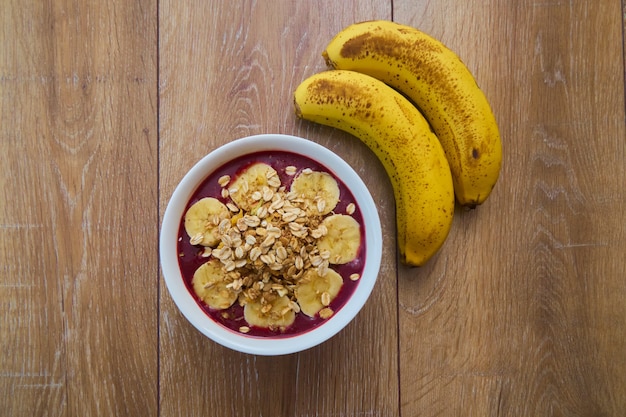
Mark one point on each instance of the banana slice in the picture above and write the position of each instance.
(315, 292)
(342, 240)
(209, 284)
(319, 190)
(202, 221)
(256, 184)
(275, 315)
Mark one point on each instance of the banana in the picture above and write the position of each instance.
(314, 292)
(277, 314)
(401, 138)
(441, 86)
(342, 239)
(318, 190)
(256, 183)
(210, 286)
(202, 221)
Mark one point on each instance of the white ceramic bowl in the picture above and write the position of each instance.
(174, 213)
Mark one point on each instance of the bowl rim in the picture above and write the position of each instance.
(175, 210)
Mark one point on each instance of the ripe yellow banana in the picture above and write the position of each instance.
(401, 138)
(441, 86)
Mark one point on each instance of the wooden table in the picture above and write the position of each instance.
(106, 104)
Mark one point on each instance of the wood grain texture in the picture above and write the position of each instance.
(522, 312)
(78, 254)
(228, 70)
(105, 105)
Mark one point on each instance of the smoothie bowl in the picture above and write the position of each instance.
(270, 244)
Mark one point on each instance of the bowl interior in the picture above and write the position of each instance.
(175, 211)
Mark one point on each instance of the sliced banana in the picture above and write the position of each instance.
(275, 315)
(342, 240)
(202, 221)
(319, 190)
(210, 286)
(315, 292)
(256, 184)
